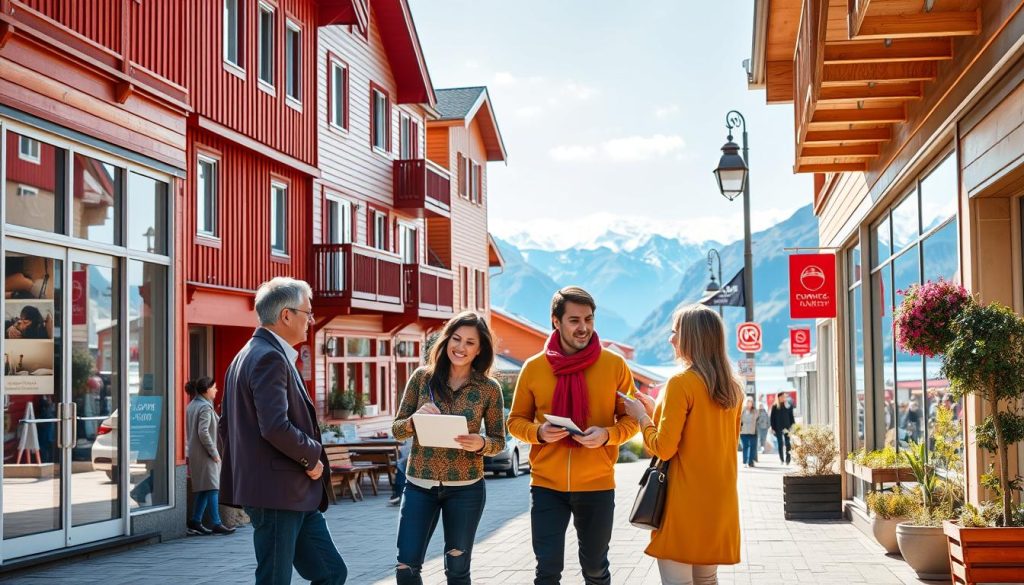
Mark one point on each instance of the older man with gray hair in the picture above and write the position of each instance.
(274, 462)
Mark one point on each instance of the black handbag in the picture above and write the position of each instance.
(650, 500)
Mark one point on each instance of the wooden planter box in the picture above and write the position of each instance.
(985, 555)
(812, 497)
(879, 475)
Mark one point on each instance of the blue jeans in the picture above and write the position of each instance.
(461, 508)
(749, 448)
(206, 498)
(400, 483)
(782, 440)
(286, 538)
(592, 514)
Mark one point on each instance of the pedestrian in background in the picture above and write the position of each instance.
(449, 483)
(748, 432)
(203, 456)
(400, 477)
(274, 461)
(782, 420)
(763, 423)
(698, 420)
(572, 476)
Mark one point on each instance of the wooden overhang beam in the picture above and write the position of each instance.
(891, 51)
(919, 25)
(830, 168)
(826, 118)
(859, 73)
(778, 82)
(904, 90)
(866, 150)
(846, 137)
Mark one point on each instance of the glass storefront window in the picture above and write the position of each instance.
(97, 200)
(147, 384)
(885, 384)
(357, 347)
(882, 238)
(938, 195)
(905, 223)
(909, 371)
(857, 351)
(941, 256)
(147, 220)
(35, 183)
(854, 266)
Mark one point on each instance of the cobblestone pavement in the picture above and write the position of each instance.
(774, 551)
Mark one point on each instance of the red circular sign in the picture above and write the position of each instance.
(812, 278)
(748, 337)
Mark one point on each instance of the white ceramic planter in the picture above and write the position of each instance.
(925, 550)
(885, 533)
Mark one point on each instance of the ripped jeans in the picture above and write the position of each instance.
(459, 508)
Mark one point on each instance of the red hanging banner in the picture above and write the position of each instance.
(812, 286)
(799, 342)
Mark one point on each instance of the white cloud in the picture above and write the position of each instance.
(638, 148)
(578, 91)
(529, 111)
(505, 78)
(666, 111)
(572, 152)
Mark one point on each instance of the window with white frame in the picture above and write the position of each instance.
(407, 237)
(28, 149)
(339, 221)
(233, 28)
(26, 191)
(266, 29)
(408, 137)
(380, 230)
(339, 95)
(293, 61)
(206, 196)
(279, 218)
(379, 121)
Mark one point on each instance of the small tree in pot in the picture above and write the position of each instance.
(815, 491)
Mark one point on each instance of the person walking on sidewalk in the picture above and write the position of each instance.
(763, 423)
(748, 432)
(203, 456)
(401, 480)
(441, 482)
(572, 476)
(781, 420)
(698, 420)
(274, 461)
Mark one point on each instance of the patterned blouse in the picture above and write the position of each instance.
(480, 401)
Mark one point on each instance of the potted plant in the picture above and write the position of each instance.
(920, 539)
(986, 358)
(879, 466)
(341, 404)
(889, 508)
(358, 405)
(814, 492)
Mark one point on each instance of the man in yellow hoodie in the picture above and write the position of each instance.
(573, 475)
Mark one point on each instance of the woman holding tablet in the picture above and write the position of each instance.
(448, 483)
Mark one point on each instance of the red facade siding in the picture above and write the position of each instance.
(235, 100)
(243, 259)
(97, 20)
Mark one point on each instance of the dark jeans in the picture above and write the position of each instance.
(400, 482)
(592, 514)
(460, 507)
(204, 499)
(749, 448)
(782, 440)
(285, 538)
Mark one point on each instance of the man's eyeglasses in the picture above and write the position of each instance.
(309, 314)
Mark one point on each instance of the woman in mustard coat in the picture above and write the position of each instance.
(695, 426)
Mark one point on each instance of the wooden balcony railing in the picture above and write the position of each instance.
(423, 187)
(429, 291)
(358, 276)
(809, 62)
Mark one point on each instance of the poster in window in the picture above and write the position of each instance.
(29, 319)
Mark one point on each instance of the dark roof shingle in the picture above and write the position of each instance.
(456, 103)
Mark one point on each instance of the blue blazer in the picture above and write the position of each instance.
(268, 433)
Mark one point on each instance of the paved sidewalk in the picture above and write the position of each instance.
(774, 551)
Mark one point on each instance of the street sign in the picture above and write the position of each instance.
(746, 369)
(748, 337)
(812, 286)
(799, 342)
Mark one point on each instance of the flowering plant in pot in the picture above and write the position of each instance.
(986, 358)
(889, 508)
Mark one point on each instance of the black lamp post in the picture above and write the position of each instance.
(715, 285)
(733, 179)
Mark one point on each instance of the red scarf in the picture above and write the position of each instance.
(571, 398)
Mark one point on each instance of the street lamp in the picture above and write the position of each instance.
(714, 286)
(733, 178)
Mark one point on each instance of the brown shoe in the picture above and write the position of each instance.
(221, 529)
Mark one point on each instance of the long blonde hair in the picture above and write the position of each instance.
(700, 340)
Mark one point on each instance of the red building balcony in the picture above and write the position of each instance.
(422, 187)
(353, 277)
(429, 291)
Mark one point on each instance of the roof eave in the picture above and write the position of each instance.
(759, 46)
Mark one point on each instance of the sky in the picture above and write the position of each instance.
(613, 113)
